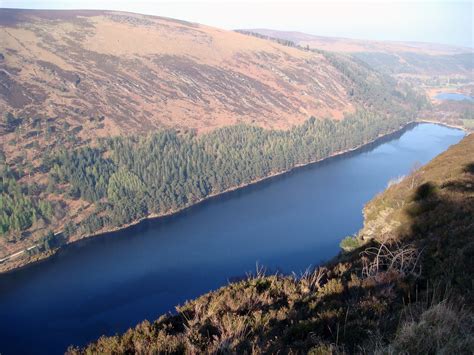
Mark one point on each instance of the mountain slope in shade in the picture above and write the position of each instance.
(141, 72)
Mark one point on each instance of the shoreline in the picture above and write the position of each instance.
(43, 256)
(449, 125)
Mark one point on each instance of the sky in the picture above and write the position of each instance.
(448, 22)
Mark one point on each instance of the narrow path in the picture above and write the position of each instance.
(18, 253)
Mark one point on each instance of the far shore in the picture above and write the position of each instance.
(28, 262)
(462, 128)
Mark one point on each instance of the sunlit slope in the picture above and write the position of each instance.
(143, 72)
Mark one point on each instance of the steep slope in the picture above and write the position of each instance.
(407, 278)
(348, 45)
(143, 72)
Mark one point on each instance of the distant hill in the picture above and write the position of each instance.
(389, 56)
(403, 285)
(349, 45)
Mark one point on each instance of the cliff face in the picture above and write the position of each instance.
(405, 287)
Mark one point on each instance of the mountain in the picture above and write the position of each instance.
(405, 276)
(112, 117)
(138, 72)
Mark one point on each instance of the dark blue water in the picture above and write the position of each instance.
(107, 284)
(453, 96)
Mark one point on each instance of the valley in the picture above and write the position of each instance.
(430, 68)
(62, 152)
(172, 187)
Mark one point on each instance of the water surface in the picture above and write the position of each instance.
(107, 284)
(453, 96)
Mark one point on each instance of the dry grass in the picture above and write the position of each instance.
(443, 328)
(403, 259)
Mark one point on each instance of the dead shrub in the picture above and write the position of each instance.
(395, 257)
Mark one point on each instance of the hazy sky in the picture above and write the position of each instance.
(429, 21)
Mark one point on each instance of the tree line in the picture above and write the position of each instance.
(130, 177)
(20, 206)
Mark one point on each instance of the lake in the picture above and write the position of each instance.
(453, 96)
(109, 283)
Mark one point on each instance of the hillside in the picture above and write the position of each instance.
(112, 117)
(404, 284)
(137, 72)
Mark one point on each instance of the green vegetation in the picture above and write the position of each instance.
(350, 243)
(48, 242)
(20, 207)
(10, 122)
(376, 90)
(130, 177)
(407, 289)
(85, 170)
(281, 41)
(468, 123)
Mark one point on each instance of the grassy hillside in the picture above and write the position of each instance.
(109, 73)
(419, 63)
(404, 284)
